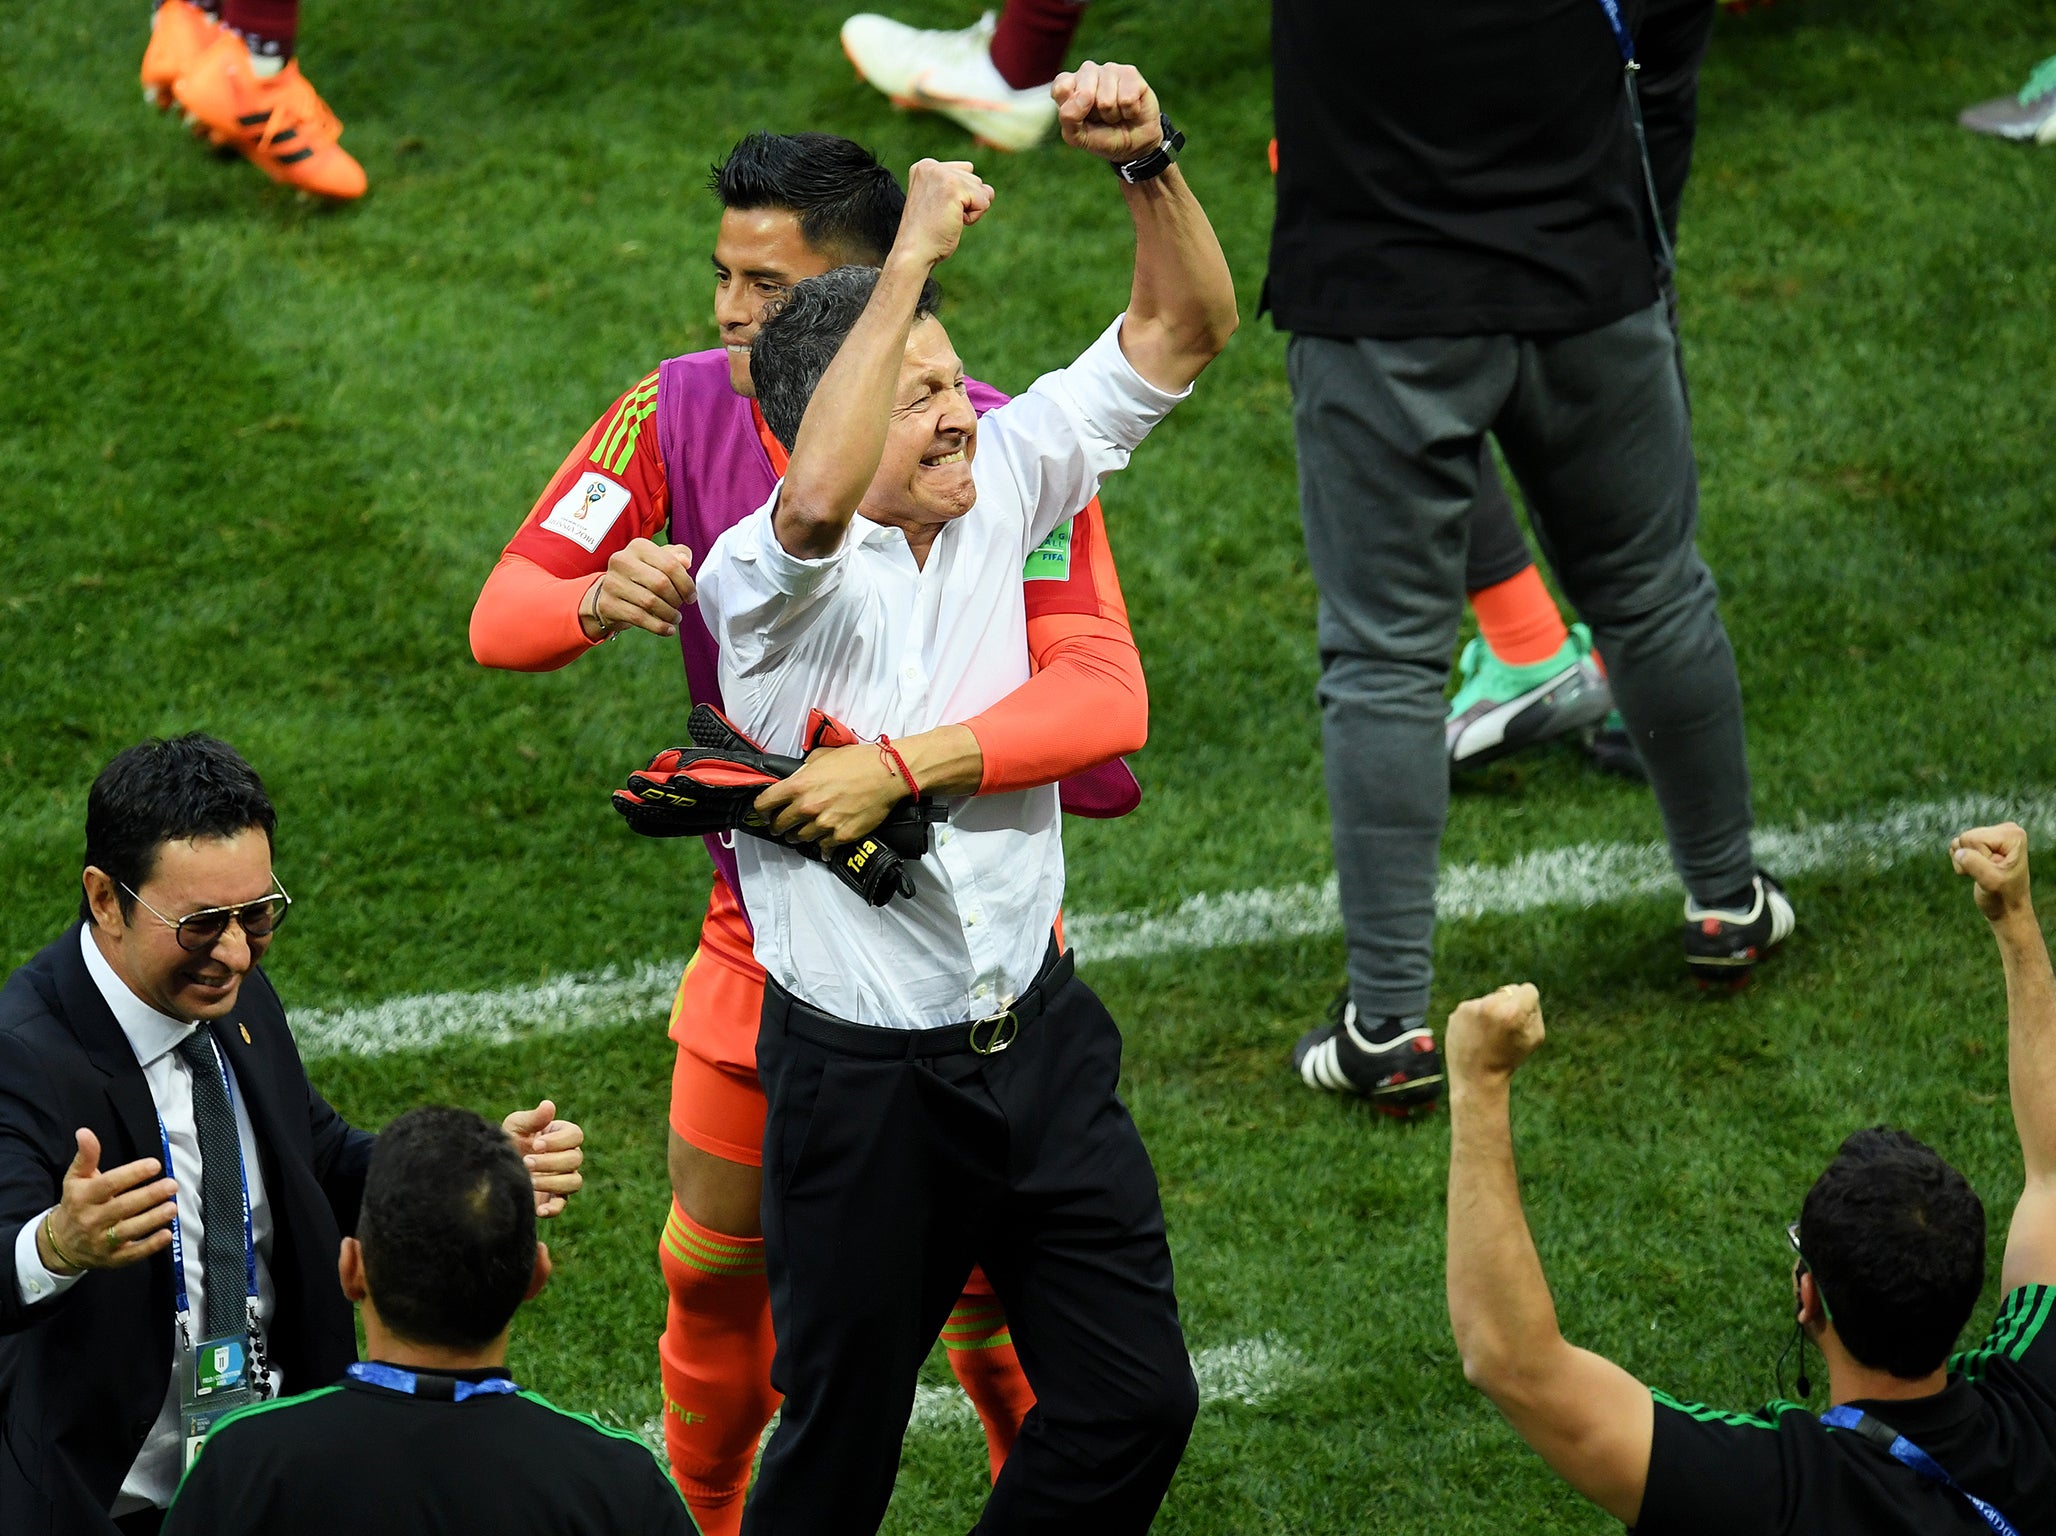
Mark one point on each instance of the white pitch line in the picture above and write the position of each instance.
(1250, 1372)
(1583, 875)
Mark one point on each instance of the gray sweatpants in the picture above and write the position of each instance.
(1595, 428)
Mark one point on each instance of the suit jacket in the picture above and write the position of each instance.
(83, 1375)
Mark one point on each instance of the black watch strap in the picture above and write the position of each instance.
(1158, 160)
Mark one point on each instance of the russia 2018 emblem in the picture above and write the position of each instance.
(587, 511)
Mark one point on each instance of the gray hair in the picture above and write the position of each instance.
(800, 339)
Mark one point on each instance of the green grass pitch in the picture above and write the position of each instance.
(258, 459)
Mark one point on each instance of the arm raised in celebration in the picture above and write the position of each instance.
(1181, 310)
(842, 435)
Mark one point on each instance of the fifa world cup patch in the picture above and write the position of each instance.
(1051, 559)
(584, 513)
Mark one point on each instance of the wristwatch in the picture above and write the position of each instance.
(1158, 160)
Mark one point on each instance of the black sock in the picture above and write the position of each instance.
(1379, 1031)
(1736, 901)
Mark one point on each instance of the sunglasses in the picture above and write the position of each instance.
(202, 930)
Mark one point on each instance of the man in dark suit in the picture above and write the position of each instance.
(146, 1032)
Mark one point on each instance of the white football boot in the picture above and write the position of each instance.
(951, 73)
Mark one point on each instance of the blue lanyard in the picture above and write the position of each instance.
(1908, 1454)
(178, 1247)
(1624, 40)
(394, 1379)
(1621, 36)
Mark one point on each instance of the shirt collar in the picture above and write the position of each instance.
(1935, 1414)
(469, 1373)
(150, 1034)
(864, 531)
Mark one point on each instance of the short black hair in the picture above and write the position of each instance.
(447, 1226)
(159, 792)
(1895, 1238)
(802, 335)
(848, 204)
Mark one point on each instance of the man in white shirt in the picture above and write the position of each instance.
(941, 1086)
(137, 1300)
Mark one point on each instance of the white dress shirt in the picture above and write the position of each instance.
(154, 1037)
(887, 646)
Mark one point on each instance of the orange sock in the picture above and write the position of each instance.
(1518, 619)
(981, 1352)
(716, 1362)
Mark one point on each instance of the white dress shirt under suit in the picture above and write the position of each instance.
(154, 1037)
(886, 646)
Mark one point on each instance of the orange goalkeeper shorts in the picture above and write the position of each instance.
(717, 1103)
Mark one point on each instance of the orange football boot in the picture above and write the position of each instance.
(179, 33)
(280, 125)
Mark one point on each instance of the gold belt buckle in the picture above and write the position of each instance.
(1005, 1028)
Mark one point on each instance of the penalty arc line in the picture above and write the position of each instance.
(1582, 875)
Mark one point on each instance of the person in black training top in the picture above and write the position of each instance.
(1465, 244)
(1889, 1258)
(431, 1434)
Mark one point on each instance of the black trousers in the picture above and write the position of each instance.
(884, 1182)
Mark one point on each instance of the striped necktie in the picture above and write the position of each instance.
(221, 1188)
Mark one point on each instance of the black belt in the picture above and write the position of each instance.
(979, 1037)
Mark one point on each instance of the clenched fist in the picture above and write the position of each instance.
(1108, 110)
(1996, 859)
(1490, 1036)
(646, 586)
(943, 198)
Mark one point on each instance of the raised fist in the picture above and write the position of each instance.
(1490, 1036)
(1108, 110)
(1996, 859)
(943, 196)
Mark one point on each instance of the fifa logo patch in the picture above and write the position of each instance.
(585, 513)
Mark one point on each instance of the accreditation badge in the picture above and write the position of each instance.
(214, 1380)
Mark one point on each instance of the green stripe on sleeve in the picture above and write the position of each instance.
(611, 451)
(2036, 1301)
(2022, 1316)
(1705, 1415)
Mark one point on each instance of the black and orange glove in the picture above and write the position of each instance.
(711, 787)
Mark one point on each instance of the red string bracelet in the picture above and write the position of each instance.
(892, 758)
